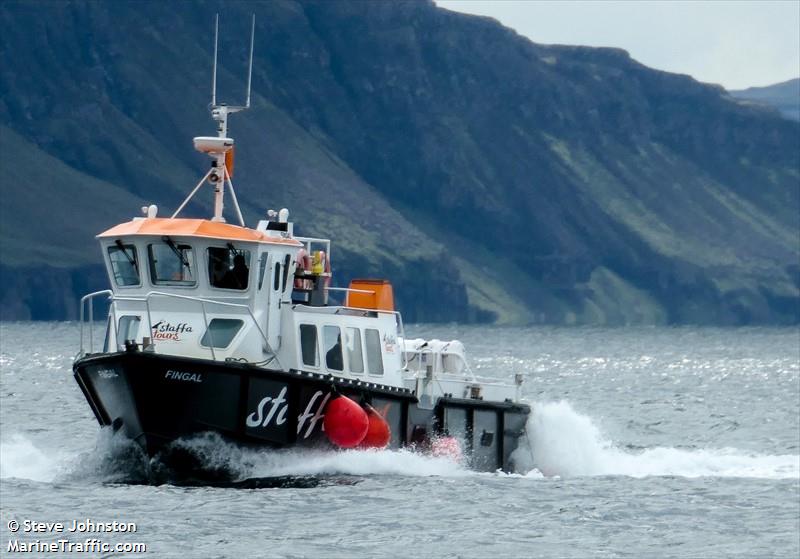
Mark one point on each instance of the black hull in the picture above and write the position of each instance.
(155, 399)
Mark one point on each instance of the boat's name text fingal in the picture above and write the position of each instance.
(186, 377)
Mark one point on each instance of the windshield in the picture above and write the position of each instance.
(171, 263)
(124, 264)
(228, 268)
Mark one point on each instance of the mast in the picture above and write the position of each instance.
(220, 148)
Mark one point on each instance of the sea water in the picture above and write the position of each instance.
(643, 442)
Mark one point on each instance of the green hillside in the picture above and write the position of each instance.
(491, 178)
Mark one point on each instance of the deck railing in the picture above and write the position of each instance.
(87, 302)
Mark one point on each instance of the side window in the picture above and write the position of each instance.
(276, 281)
(128, 328)
(171, 264)
(355, 358)
(308, 345)
(221, 332)
(372, 339)
(124, 264)
(332, 345)
(228, 268)
(286, 262)
(262, 268)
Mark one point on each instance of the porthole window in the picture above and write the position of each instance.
(221, 332)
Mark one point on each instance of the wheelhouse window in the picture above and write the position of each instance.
(355, 359)
(229, 267)
(308, 345)
(286, 262)
(171, 263)
(262, 267)
(124, 264)
(372, 339)
(276, 283)
(221, 332)
(332, 345)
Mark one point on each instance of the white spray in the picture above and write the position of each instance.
(563, 442)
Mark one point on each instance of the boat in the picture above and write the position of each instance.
(218, 327)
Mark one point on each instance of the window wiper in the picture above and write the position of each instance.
(176, 250)
(131, 260)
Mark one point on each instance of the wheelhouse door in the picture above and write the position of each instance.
(274, 284)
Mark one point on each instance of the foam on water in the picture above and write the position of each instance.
(116, 460)
(21, 458)
(559, 442)
(247, 463)
(563, 442)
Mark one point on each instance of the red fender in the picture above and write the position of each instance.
(345, 422)
(378, 433)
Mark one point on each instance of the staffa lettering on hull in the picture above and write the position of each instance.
(279, 408)
(182, 376)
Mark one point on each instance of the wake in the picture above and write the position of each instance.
(563, 442)
(215, 462)
(559, 442)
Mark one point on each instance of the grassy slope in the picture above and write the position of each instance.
(455, 148)
(53, 211)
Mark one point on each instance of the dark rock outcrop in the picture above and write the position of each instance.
(490, 177)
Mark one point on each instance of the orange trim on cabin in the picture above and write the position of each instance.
(159, 226)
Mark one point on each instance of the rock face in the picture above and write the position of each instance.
(784, 96)
(490, 178)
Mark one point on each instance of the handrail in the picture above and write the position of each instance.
(146, 300)
(83, 304)
(350, 290)
(429, 351)
(402, 332)
(203, 302)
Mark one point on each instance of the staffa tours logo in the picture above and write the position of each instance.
(164, 330)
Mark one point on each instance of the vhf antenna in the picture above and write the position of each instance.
(220, 112)
(214, 71)
(220, 149)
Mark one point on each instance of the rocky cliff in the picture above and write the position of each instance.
(783, 96)
(491, 178)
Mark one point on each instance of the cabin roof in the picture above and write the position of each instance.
(178, 227)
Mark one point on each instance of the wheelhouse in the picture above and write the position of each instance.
(196, 288)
